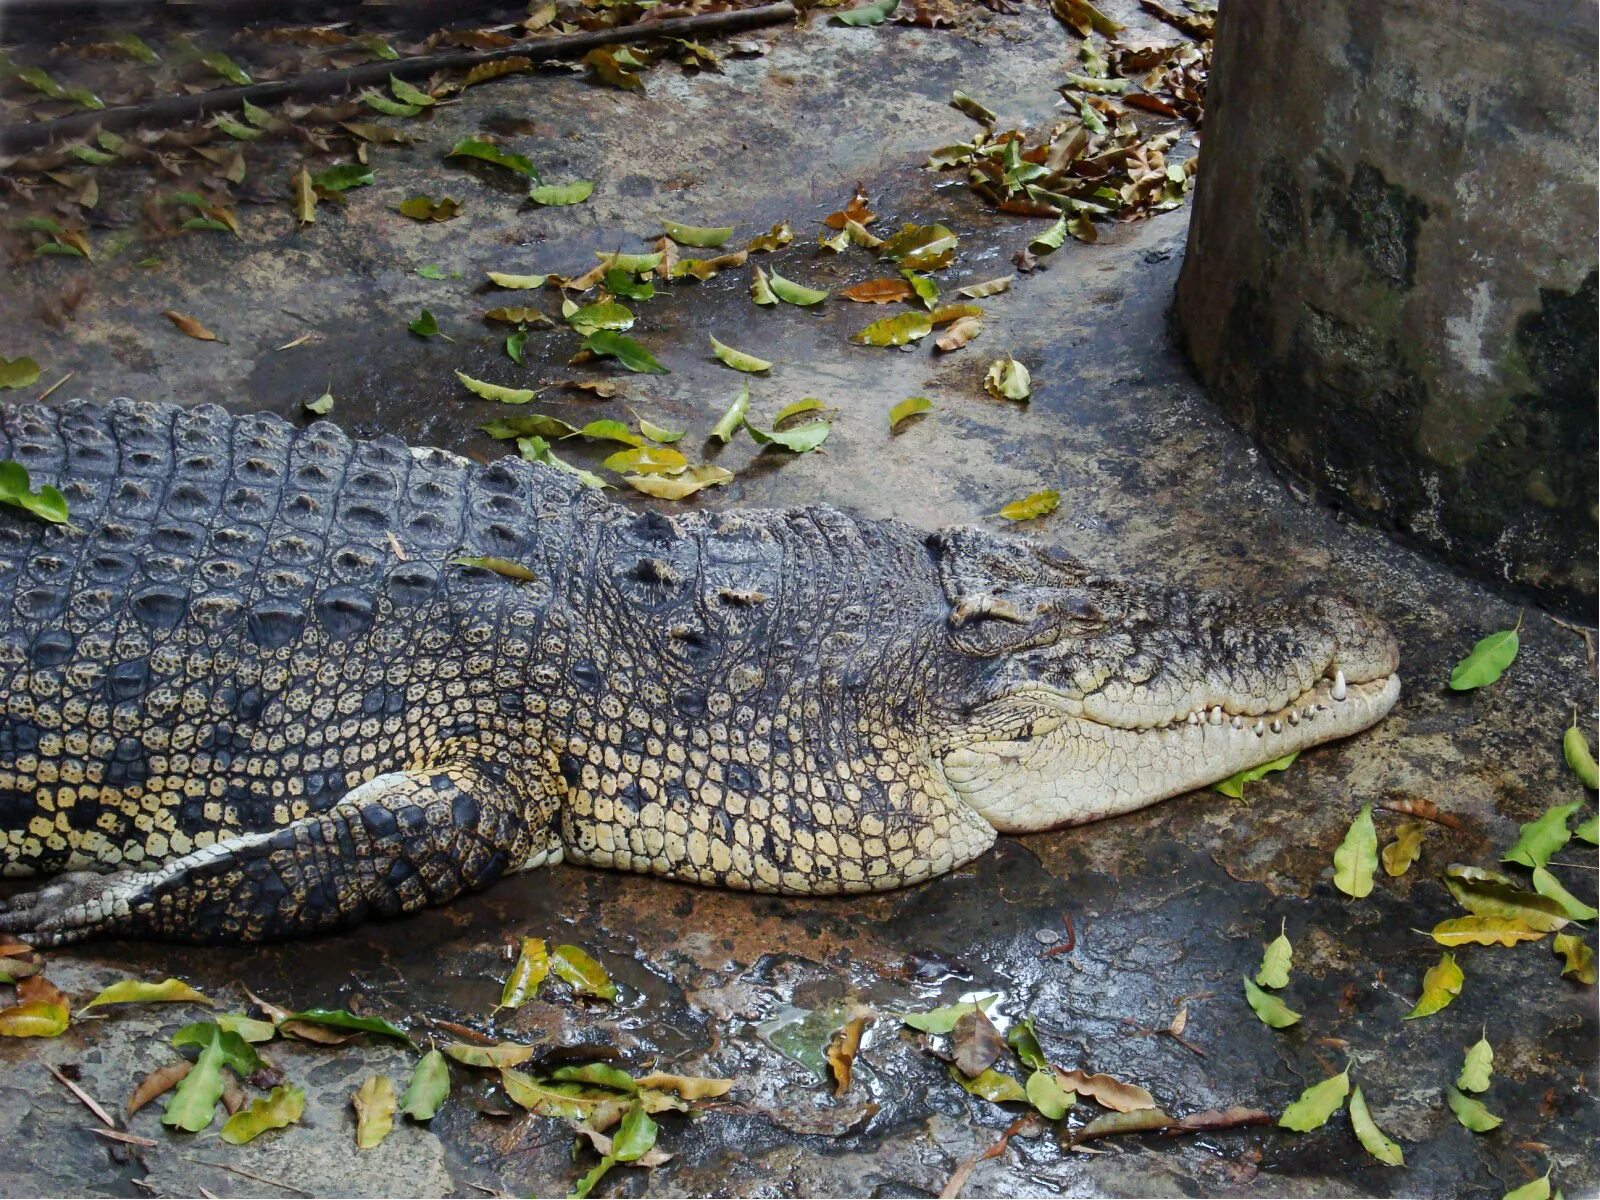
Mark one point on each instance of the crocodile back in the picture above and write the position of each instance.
(229, 585)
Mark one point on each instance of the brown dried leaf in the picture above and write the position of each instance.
(1106, 1091)
(959, 334)
(878, 291)
(975, 1043)
(189, 325)
(856, 211)
(841, 1051)
(159, 1082)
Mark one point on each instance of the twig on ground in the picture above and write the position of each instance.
(87, 1100)
(277, 1183)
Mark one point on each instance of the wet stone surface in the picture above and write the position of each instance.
(1171, 905)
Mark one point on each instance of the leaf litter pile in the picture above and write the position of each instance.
(1098, 163)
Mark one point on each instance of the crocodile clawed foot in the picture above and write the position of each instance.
(67, 909)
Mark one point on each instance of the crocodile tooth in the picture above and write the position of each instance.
(1260, 728)
(1237, 722)
(1338, 685)
(1194, 719)
(1277, 725)
(1294, 716)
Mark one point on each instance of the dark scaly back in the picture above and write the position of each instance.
(165, 674)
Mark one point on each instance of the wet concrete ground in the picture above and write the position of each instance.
(1171, 905)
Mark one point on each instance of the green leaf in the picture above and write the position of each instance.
(1539, 839)
(599, 1074)
(1487, 662)
(1575, 749)
(701, 237)
(625, 350)
(895, 331)
(536, 449)
(926, 289)
(583, 973)
(607, 314)
(1485, 931)
(1317, 1103)
(236, 1052)
(1534, 1189)
(501, 279)
(586, 1185)
(920, 247)
(342, 177)
(429, 1087)
(610, 430)
(498, 1056)
(530, 970)
(633, 264)
(560, 195)
(16, 489)
(1007, 379)
(1271, 1010)
(407, 94)
(528, 425)
(1440, 986)
(91, 155)
(226, 67)
(500, 566)
(421, 208)
(793, 293)
(1471, 1113)
(378, 48)
(374, 1104)
(1234, 786)
(1373, 1139)
(282, 1106)
(493, 391)
(1023, 1039)
(875, 13)
(194, 1102)
(490, 153)
(248, 1028)
(1484, 896)
(134, 991)
(321, 406)
(1588, 832)
(390, 108)
(426, 325)
(1276, 961)
(1051, 239)
(728, 424)
(760, 286)
(1399, 854)
(909, 407)
(659, 433)
(738, 359)
(620, 283)
(136, 48)
(1476, 1067)
(991, 1085)
(1580, 962)
(1048, 1096)
(647, 460)
(1548, 885)
(979, 112)
(236, 129)
(798, 438)
(18, 372)
(1357, 856)
(1029, 507)
(514, 344)
(943, 1020)
(635, 1136)
(338, 1018)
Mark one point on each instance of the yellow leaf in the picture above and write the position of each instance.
(1029, 507)
(1485, 931)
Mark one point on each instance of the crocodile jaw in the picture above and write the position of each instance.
(1079, 770)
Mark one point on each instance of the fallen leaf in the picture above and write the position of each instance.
(523, 315)
(489, 152)
(16, 489)
(47, 1016)
(133, 991)
(1580, 959)
(582, 973)
(609, 344)
(1534, 1189)
(878, 291)
(943, 1020)
(633, 264)
(1317, 1103)
(895, 331)
(1476, 1067)
(422, 208)
(560, 195)
(537, 449)
(374, 1104)
(991, 1085)
(731, 421)
(975, 1043)
(1485, 931)
(659, 433)
(1538, 840)
(529, 971)
(980, 113)
(523, 282)
(1007, 379)
(925, 289)
(321, 406)
(959, 334)
(1105, 1090)
(793, 293)
(874, 13)
(920, 247)
(1471, 1113)
(690, 1087)
(1046, 1094)
(189, 326)
(1489, 894)
(700, 237)
(1024, 1039)
(282, 1106)
(342, 177)
(1574, 748)
(338, 1018)
(1233, 785)
(1276, 960)
(1487, 660)
(237, 1053)
(738, 359)
(842, 1049)
(1030, 507)
(676, 487)
(989, 287)
(158, 1083)
(1271, 1010)
(498, 1056)
(1440, 986)
(1372, 1139)
(761, 287)
(1357, 856)
(1143, 1120)
(779, 235)
(1399, 854)
(1549, 886)
(907, 408)
(18, 372)
(194, 1102)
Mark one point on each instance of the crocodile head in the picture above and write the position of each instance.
(1085, 696)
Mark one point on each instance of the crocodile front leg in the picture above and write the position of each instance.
(392, 845)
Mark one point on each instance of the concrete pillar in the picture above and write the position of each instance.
(1391, 270)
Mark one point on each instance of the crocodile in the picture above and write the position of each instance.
(273, 680)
